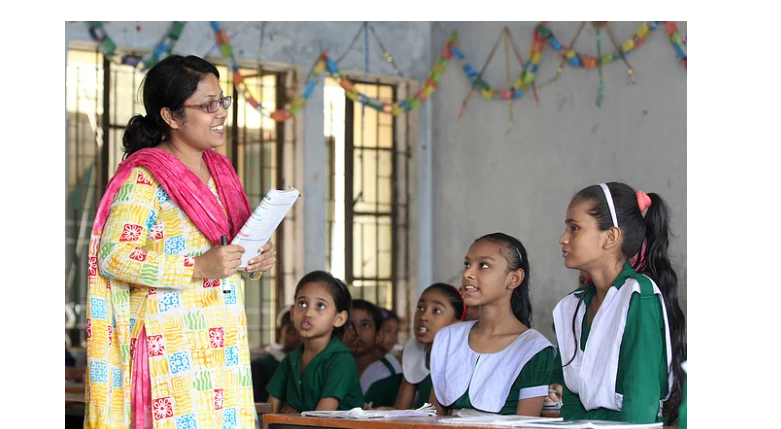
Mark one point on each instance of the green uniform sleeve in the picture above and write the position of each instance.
(278, 384)
(383, 393)
(341, 374)
(557, 376)
(642, 353)
(682, 415)
(536, 375)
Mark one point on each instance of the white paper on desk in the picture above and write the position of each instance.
(263, 222)
(591, 424)
(495, 420)
(426, 410)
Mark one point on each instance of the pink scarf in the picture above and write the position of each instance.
(187, 191)
(201, 206)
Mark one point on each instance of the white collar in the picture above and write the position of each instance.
(413, 361)
(488, 377)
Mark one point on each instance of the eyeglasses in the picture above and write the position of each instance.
(213, 106)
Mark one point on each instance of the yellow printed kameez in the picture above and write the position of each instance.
(199, 358)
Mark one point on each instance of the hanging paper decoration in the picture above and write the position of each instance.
(601, 93)
(678, 43)
(108, 47)
(622, 51)
(576, 59)
(403, 106)
(477, 81)
(542, 34)
(560, 68)
(524, 80)
(323, 64)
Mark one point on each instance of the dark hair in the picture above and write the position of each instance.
(389, 314)
(373, 310)
(515, 255)
(654, 229)
(338, 291)
(284, 318)
(168, 84)
(453, 295)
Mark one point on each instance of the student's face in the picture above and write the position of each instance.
(582, 243)
(366, 338)
(486, 276)
(390, 334)
(433, 313)
(289, 338)
(314, 312)
(200, 129)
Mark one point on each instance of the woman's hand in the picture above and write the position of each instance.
(218, 263)
(265, 261)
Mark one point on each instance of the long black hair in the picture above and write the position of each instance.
(168, 83)
(338, 291)
(453, 296)
(654, 229)
(515, 255)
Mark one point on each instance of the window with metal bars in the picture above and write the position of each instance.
(100, 99)
(368, 195)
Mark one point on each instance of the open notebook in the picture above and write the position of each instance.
(591, 424)
(495, 420)
(427, 410)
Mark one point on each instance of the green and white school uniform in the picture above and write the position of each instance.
(682, 410)
(380, 382)
(332, 373)
(416, 371)
(489, 382)
(619, 371)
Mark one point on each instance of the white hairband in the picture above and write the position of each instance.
(609, 199)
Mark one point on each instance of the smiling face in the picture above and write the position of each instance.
(198, 128)
(433, 313)
(486, 276)
(314, 312)
(361, 334)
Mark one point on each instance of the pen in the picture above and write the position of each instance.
(225, 287)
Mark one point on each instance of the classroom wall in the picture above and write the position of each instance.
(520, 183)
(298, 44)
(473, 177)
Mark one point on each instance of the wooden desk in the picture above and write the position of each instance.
(292, 421)
(74, 387)
(262, 408)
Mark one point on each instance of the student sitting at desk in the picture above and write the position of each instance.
(389, 347)
(380, 375)
(496, 364)
(440, 305)
(622, 337)
(320, 374)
